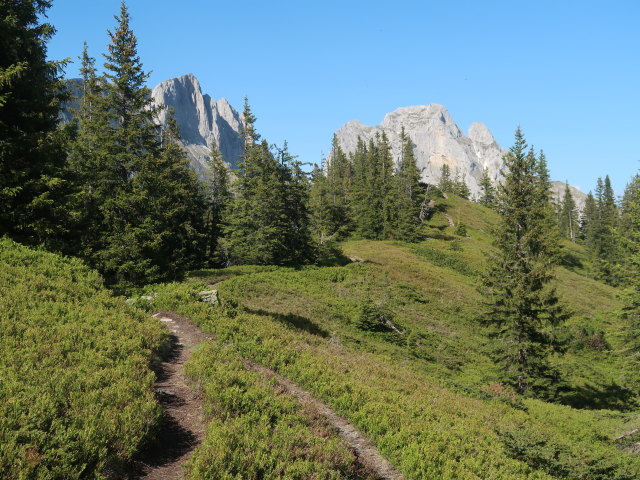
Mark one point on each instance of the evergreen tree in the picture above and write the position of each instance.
(568, 218)
(366, 200)
(588, 220)
(487, 190)
(33, 183)
(459, 186)
(630, 226)
(374, 190)
(321, 208)
(295, 184)
(143, 206)
(330, 196)
(268, 219)
(409, 193)
(523, 305)
(339, 175)
(84, 161)
(604, 242)
(255, 229)
(629, 220)
(387, 187)
(173, 200)
(217, 198)
(445, 183)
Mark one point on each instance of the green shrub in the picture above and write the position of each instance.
(75, 383)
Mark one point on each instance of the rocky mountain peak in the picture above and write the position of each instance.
(437, 141)
(201, 119)
(479, 133)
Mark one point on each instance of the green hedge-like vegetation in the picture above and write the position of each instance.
(255, 431)
(75, 382)
(428, 430)
(428, 397)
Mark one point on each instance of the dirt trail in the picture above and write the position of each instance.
(184, 424)
(364, 450)
(450, 220)
(184, 427)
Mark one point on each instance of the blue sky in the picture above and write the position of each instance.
(567, 71)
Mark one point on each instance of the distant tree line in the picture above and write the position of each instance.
(605, 226)
(367, 194)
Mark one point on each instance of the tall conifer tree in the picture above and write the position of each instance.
(604, 242)
(523, 305)
(143, 203)
(487, 190)
(87, 151)
(217, 198)
(263, 225)
(587, 220)
(445, 183)
(630, 225)
(409, 193)
(33, 183)
(568, 220)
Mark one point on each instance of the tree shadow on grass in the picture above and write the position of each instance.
(596, 397)
(571, 261)
(292, 320)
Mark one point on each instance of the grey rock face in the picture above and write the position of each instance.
(437, 141)
(557, 194)
(201, 120)
(74, 86)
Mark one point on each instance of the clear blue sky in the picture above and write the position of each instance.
(567, 71)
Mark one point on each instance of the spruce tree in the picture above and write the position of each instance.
(604, 242)
(387, 187)
(568, 216)
(295, 188)
(409, 193)
(459, 186)
(217, 198)
(174, 202)
(85, 155)
(630, 225)
(523, 304)
(366, 200)
(143, 203)
(321, 208)
(588, 220)
(339, 177)
(487, 190)
(445, 183)
(33, 183)
(267, 221)
(330, 197)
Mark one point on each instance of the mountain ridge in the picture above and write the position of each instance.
(437, 139)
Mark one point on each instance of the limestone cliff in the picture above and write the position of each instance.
(437, 141)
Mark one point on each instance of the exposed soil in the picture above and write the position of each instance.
(450, 220)
(365, 452)
(183, 426)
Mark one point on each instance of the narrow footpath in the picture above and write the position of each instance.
(365, 452)
(184, 425)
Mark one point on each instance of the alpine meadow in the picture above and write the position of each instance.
(182, 298)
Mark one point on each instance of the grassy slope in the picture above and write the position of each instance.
(428, 398)
(75, 383)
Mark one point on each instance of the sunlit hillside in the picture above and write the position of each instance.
(421, 384)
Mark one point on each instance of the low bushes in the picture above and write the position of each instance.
(75, 382)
